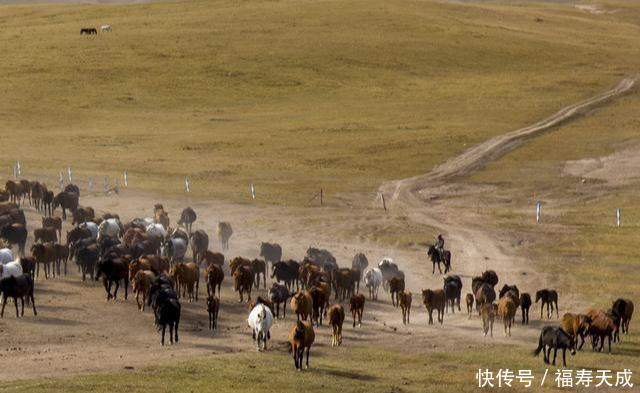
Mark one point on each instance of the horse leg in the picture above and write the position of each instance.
(308, 349)
(15, 302)
(164, 328)
(555, 352)
(22, 301)
(564, 357)
(126, 288)
(115, 293)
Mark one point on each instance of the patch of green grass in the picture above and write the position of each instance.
(291, 95)
(344, 370)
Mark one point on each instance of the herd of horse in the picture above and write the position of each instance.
(149, 256)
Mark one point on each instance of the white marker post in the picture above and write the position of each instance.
(126, 178)
(61, 180)
(253, 191)
(538, 208)
(187, 186)
(15, 172)
(618, 214)
(105, 184)
(70, 175)
(90, 184)
(19, 168)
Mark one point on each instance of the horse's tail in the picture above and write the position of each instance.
(540, 346)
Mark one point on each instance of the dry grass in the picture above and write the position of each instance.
(291, 95)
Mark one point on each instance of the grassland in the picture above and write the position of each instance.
(292, 95)
(346, 370)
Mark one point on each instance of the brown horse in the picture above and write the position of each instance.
(356, 306)
(434, 300)
(243, 281)
(187, 276)
(404, 298)
(140, 284)
(396, 285)
(301, 337)
(213, 306)
(210, 257)
(336, 320)
(525, 305)
(259, 266)
(576, 325)
(507, 311)
(469, 300)
(302, 305)
(488, 312)
(88, 30)
(214, 275)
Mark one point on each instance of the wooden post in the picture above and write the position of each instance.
(384, 203)
(321, 201)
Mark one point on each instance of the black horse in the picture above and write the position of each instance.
(88, 30)
(555, 338)
(114, 270)
(437, 258)
(67, 200)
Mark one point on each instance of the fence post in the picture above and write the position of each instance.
(126, 178)
(253, 191)
(618, 214)
(384, 203)
(321, 200)
(187, 186)
(19, 168)
(90, 184)
(538, 208)
(105, 184)
(70, 175)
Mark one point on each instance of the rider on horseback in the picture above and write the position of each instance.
(440, 246)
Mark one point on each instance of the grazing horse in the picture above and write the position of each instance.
(525, 305)
(372, 280)
(356, 306)
(213, 306)
(243, 281)
(88, 30)
(224, 234)
(105, 28)
(336, 320)
(17, 288)
(260, 321)
(67, 201)
(488, 312)
(549, 298)
(279, 294)
(301, 337)
(434, 300)
(576, 325)
(554, 338)
(603, 326)
(187, 218)
(436, 258)
(507, 311)
(114, 271)
(404, 298)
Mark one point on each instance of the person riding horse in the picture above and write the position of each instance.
(440, 247)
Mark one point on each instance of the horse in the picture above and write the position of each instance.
(436, 258)
(6, 255)
(45, 235)
(341, 279)
(336, 320)
(469, 300)
(164, 300)
(624, 308)
(110, 228)
(93, 228)
(302, 305)
(360, 262)
(15, 234)
(301, 337)
(404, 298)
(67, 201)
(396, 285)
(321, 257)
(603, 326)
(260, 321)
(549, 298)
(186, 275)
(259, 266)
(11, 269)
(389, 270)
(287, 272)
(576, 325)
(187, 218)
(88, 30)
(488, 312)
(507, 311)
(175, 249)
(356, 306)
(453, 290)
(434, 299)
(243, 281)
(83, 214)
(44, 254)
(199, 244)
(279, 294)
(319, 304)
(53, 222)
(114, 271)
(140, 284)
(213, 276)
(554, 338)
(105, 28)
(372, 280)
(271, 252)
(17, 288)
(525, 305)
(213, 306)
(224, 233)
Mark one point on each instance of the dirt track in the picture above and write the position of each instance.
(77, 331)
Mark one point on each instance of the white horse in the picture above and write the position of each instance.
(156, 230)
(175, 249)
(260, 321)
(373, 279)
(109, 228)
(105, 28)
(10, 269)
(92, 227)
(6, 255)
